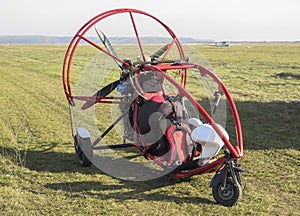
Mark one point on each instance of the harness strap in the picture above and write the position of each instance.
(173, 118)
(179, 149)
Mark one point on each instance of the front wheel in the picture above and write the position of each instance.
(227, 195)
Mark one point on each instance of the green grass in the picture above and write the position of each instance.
(39, 174)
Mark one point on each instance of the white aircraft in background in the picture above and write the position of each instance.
(220, 44)
(223, 44)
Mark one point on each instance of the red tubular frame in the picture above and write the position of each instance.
(236, 151)
(80, 36)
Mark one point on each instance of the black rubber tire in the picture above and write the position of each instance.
(228, 196)
(80, 156)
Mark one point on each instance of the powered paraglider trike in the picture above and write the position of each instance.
(138, 90)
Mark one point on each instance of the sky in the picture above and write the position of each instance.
(233, 20)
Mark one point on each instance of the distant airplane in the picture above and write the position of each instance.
(223, 44)
(220, 44)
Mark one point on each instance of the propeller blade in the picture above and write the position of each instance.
(108, 89)
(161, 51)
(101, 93)
(108, 45)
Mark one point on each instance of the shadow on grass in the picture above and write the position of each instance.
(265, 126)
(58, 162)
(274, 125)
(128, 190)
(288, 75)
(47, 160)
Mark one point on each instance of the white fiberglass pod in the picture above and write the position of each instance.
(211, 142)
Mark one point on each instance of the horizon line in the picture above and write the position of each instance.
(185, 37)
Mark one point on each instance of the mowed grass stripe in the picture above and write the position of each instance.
(32, 101)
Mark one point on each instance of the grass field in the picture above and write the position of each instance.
(39, 174)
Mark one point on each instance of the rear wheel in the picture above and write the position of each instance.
(80, 156)
(227, 195)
